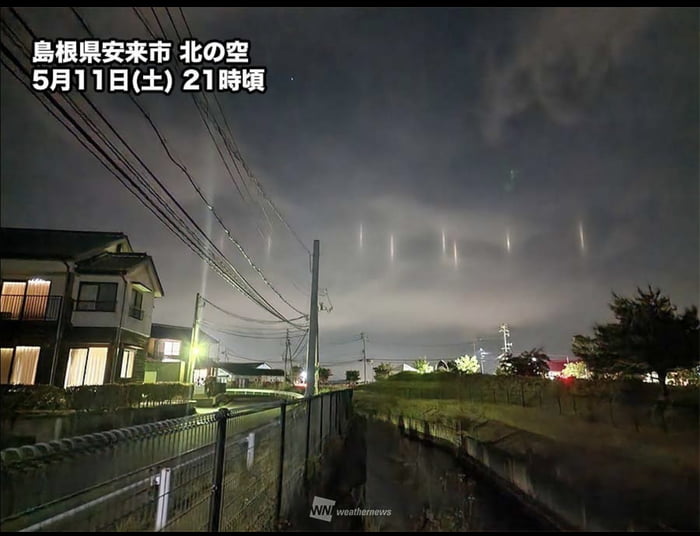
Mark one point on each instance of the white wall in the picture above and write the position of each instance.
(111, 319)
(23, 270)
(97, 318)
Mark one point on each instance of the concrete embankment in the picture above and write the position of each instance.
(573, 487)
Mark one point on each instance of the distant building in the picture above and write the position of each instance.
(242, 375)
(75, 307)
(168, 353)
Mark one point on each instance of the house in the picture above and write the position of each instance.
(75, 307)
(242, 375)
(168, 353)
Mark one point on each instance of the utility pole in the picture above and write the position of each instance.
(287, 355)
(506, 335)
(312, 349)
(364, 355)
(194, 341)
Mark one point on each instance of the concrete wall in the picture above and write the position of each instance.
(28, 429)
(573, 489)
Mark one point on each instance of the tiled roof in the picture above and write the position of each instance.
(53, 243)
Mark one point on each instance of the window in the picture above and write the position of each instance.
(86, 366)
(128, 356)
(97, 297)
(24, 299)
(18, 365)
(136, 309)
(170, 348)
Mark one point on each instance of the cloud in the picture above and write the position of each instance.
(558, 64)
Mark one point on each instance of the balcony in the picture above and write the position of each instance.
(135, 312)
(30, 308)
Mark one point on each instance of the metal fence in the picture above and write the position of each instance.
(242, 470)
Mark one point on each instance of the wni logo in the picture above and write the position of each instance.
(322, 509)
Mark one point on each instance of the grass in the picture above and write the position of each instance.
(452, 401)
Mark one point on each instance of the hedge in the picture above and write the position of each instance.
(107, 397)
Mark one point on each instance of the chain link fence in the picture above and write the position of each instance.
(242, 470)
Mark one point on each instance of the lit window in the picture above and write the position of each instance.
(86, 366)
(18, 365)
(24, 299)
(128, 356)
(171, 348)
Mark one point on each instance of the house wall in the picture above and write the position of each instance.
(25, 269)
(39, 333)
(98, 318)
(143, 326)
(81, 328)
(81, 337)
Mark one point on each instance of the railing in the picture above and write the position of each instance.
(135, 312)
(103, 306)
(30, 308)
(226, 471)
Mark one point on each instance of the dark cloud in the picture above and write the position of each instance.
(489, 125)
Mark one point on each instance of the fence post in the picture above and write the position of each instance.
(320, 428)
(217, 485)
(280, 483)
(163, 495)
(309, 405)
(336, 416)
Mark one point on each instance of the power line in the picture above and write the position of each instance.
(251, 359)
(236, 151)
(248, 319)
(164, 213)
(299, 347)
(195, 186)
(261, 336)
(438, 345)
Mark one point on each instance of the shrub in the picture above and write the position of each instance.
(32, 397)
(107, 397)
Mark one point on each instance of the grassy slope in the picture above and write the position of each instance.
(642, 455)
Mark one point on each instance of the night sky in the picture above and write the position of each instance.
(557, 150)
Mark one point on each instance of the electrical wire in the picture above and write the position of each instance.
(194, 184)
(116, 170)
(229, 137)
(245, 318)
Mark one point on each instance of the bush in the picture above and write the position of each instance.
(32, 397)
(107, 397)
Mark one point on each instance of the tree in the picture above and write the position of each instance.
(383, 371)
(353, 376)
(467, 364)
(684, 377)
(576, 369)
(529, 363)
(323, 374)
(648, 335)
(422, 365)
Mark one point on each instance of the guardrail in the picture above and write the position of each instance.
(264, 392)
(240, 470)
